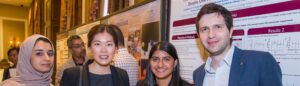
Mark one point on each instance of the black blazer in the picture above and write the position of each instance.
(71, 76)
(6, 74)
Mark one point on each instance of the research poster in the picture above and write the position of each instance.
(61, 50)
(82, 31)
(184, 37)
(140, 28)
(266, 25)
(61, 43)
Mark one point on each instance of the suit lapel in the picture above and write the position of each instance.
(115, 76)
(202, 75)
(237, 67)
(85, 74)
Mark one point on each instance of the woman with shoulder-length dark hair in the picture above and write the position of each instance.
(102, 41)
(163, 67)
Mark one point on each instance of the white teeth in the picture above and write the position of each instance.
(103, 56)
(160, 70)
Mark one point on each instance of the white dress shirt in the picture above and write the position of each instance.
(220, 76)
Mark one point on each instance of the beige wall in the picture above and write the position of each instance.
(138, 1)
(12, 29)
(14, 11)
(15, 17)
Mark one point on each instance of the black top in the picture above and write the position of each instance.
(71, 76)
(100, 80)
(181, 83)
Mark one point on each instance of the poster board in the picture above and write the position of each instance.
(140, 27)
(135, 24)
(61, 43)
(266, 25)
(61, 49)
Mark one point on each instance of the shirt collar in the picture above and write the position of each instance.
(229, 56)
(123, 50)
(226, 61)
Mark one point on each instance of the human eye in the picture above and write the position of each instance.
(96, 44)
(39, 53)
(218, 27)
(77, 46)
(204, 29)
(154, 59)
(110, 44)
(166, 59)
(50, 53)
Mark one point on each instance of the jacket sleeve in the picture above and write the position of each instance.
(271, 72)
(5, 74)
(126, 78)
(194, 76)
(70, 77)
(123, 77)
(198, 75)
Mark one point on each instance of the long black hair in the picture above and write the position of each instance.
(170, 49)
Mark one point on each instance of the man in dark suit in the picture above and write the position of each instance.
(228, 65)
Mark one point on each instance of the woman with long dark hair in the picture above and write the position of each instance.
(163, 67)
(102, 42)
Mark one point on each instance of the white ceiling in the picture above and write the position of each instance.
(25, 3)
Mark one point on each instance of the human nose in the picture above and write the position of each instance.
(47, 57)
(103, 49)
(160, 63)
(81, 46)
(211, 33)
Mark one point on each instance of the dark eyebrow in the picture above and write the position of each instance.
(38, 50)
(101, 41)
(109, 41)
(51, 50)
(95, 41)
(154, 57)
(168, 57)
(43, 50)
(221, 24)
(204, 27)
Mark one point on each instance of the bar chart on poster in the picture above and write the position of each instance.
(266, 25)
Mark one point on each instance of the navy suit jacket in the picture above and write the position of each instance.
(248, 68)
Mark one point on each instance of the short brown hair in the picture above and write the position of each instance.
(215, 8)
(12, 49)
(70, 40)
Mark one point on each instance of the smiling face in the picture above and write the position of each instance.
(162, 64)
(42, 57)
(214, 34)
(103, 48)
